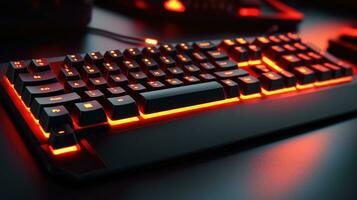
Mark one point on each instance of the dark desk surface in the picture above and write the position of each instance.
(319, 164)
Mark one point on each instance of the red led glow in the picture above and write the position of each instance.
(174, 6)
(151, 41)
(248, 12)
(64, 150)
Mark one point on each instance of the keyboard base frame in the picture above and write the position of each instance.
(100, 152)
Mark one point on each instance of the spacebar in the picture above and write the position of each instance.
(171, 98)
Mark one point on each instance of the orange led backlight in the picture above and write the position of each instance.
(122, 121)
(174, 6)
(64, 150)
(32, 122)
(188, 108)
(284, 90)
(306, 86)
(334, 81)
(248, 12)
(251, 96)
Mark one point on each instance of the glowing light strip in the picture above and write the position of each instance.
(64, 150)
(32, 122)
(251, 96)
(284, 90)
(122, 121)
(272, 64)
(334, 81)
(188, 108)
(249, 62)
(306, 86)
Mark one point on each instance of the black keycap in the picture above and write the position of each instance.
(154, 85)
(204, 46)
(133, 54)
(227, 44)
(30, 92)
(14, 69)
(90, 71)
(289, 61)
(74, 60)
(271, 81)
(149, 63)
(255, 52)
(114, 91)
(248, 85)
(95, 58)
(262, 42)
(231, 74)
(259, 69)
(110, 69)
(191, 69)
(241, 41)
(284, 38)
(225, 65)
(136, 88)
(121, 107)
(130, 66)
(322, 73)
(75, 86)
(89, 113)
(289, 78)
(206, 77)
(64, 99)
(198, 57)
(151, 52)
(175, 72)
(54, 117)
(166, 61)
(183, 59)
(290, 49)
(239, 54)
(337, 71)
(216, 55)
(346, 69)
(190, 79)
(114, 55)
(138, 77)
(304, 75)
(173, 82)
(69, 73)
(274, 51)
(93, 95)
(230, 87)
(168, 49)
(305, 59)
(294, 37)
(62, 136)
(118, 80)
(171, 98)
(39, 65)
(184, 47)
(316, 58)
(30, 79)
(275, 40)
(157, 74)
(209, 67)
(300, 47)
(98, 83)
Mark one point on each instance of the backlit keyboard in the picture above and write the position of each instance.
(97, 113)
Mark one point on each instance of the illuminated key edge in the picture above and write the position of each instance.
(20, 105)
(279, 91)
(188, 108)
(64, 150)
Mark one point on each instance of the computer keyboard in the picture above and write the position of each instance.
(85, 115)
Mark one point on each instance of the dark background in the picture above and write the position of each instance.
(318, 164)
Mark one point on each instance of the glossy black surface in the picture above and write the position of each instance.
(319, 164)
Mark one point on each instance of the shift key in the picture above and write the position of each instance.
(65, 99)
(171, 98)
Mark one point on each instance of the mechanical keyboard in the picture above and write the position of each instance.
(86, 115)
